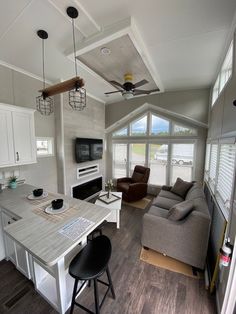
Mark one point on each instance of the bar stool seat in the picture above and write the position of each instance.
(89, 264)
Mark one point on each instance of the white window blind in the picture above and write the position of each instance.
(213, 165)
(226, 174)
(207, 160)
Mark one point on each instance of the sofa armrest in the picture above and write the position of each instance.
(166, 187)
(125, 179)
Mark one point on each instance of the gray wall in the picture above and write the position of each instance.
(88, 123)
(223, 124)
(21, 90)
(191, 103)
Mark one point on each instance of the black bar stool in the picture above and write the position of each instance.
(88, 265)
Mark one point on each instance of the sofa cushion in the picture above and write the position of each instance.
(164, 202)
(181, 210)
(200, 205)
(181, 187)
(168, 194)
(196, 191)
(158, 211)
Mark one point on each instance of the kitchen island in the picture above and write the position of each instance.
(36, 246)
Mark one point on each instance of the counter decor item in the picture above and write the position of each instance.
(109, 186)
(57, 204)
(12, 182)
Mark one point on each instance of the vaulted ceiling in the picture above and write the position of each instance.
(184, 39)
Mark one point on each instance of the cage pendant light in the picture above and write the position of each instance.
(44, 104)
(77, 96)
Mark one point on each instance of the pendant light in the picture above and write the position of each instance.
(77, 96)
(44, 103)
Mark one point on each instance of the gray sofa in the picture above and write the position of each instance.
(185, 239)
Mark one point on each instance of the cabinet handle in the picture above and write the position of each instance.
(9, 222)
(17, 156)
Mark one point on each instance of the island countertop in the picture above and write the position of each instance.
(40, 237)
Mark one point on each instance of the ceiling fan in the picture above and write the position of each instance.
(129, 90)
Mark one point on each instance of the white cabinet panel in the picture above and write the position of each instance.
(23, 137)
(17, 136)
(2, 248)
(6, 138)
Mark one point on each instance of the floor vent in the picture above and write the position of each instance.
(10, 303)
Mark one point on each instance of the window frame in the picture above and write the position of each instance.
(218, 78)
(45, 138)
(136, 120)
(160, 117)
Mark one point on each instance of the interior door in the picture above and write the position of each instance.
(23, 129)
(6, 138)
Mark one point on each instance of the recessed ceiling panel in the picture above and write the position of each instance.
(122, 57)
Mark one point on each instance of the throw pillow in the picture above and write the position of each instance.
(180, 210)
(181, 187)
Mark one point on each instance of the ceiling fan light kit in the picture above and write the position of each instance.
(44, 103)
(77, 94)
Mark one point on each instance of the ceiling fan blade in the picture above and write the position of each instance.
(145, 92)
(141, 83)
(116, 84)
(117, 91)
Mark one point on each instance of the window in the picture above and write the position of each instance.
(183, 130)
(159, 126)
(44, 146)
(226, 175)
(121, 132)
(150, 140)
(139, 127)
(137, 155)
(182, 162)
(224, 75)
(207, 160)
(213, 166)
(227, 68)
(158, 156)
(119, 160)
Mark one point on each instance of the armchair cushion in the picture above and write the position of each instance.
(180, 211)
(181, 187)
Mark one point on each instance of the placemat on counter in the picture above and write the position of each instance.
(41, 201)
(70, 212)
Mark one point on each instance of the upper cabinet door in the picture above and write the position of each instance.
(24, 137)
(6, 138)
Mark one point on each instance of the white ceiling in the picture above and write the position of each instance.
(185, 39)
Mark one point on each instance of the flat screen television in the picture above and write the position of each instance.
(87, 149)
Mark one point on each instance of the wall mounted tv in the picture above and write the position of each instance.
(87, 149)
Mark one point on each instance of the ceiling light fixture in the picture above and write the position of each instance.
(44, 104)
(105, 51)
(77, 96)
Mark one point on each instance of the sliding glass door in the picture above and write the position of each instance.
(120, 160)
(137, 155)
(158, 159)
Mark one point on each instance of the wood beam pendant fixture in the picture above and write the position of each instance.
(77, 94)
(44, 103)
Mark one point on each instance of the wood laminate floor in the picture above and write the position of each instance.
(140, 288)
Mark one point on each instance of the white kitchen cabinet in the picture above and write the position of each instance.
(17, 136)
(2, 247)
(15, 252)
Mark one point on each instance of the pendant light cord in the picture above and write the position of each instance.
(73, 28)
(43, 51)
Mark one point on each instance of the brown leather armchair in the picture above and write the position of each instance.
(134, 188)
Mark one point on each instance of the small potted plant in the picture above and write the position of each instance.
(109, 186)
(12, 182)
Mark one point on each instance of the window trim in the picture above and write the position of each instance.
(45, 138)
(232, 43)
